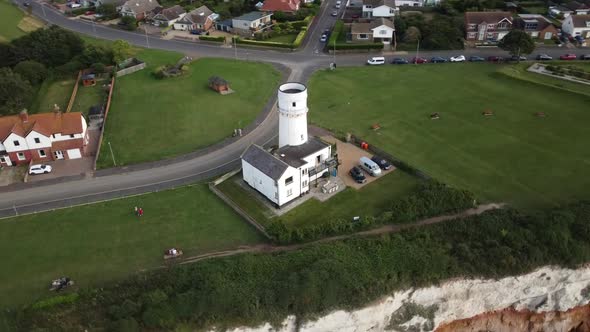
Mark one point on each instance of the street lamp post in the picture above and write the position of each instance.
(235, 48)
(147, 40)
(417, 52)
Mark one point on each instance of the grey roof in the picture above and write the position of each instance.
(356, 28)
(172, 12)
(197, 15)
(141, 6)
(377, 3)
(293, 155)
(251, 16)
(264, 162)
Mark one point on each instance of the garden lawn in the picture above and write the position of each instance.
(287, 38)
(154, 119)
(512, 156)
(88, 96)
(53, 92)
(371, 200)
(97, 243)
(10, 16)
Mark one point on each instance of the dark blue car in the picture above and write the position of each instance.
(475, 58)
(399, 61)
(438, 59)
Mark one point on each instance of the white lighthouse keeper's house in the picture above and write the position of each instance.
(286, 173)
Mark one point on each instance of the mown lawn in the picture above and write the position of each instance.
(512, 156)
(372, 199)
(154, 119)
(89, 96)
(102, 242)
(287, 38)
(53, 92)
(10, 16)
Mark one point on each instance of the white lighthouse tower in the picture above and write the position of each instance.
(292, 104)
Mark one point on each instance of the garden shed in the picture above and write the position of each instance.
(89, 80)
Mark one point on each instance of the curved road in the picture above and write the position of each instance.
(301, 63)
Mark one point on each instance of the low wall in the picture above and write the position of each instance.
(130, 70)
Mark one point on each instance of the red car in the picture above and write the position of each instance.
(495, 58)
(418, 60)
(568, 56)
(88, 13)
(355, 16)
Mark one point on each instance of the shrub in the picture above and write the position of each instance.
(338, 27)
(213, 39)
(56, 300)
(98, 67)
(129, 23)
(32, 71)
(158, 73)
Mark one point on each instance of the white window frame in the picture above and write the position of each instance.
(289, 192)
(42, 155)
(20, 156)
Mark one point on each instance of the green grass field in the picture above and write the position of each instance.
(368, 201)
(53, 92)
(89, 96)
(106, 241)
(10, 16)
(512, 156)
(288, 38)
(178, 115)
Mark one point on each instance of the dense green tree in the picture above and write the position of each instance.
(411, 35)
(7, 56)
(517, 42)
(129, 23)
(96, 54)
(108, 10)
(441, 33)
(52, 47)
(32, 71)
(16, 93)
(121, 51)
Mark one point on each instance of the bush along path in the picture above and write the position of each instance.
(253, 288)
(267, 248)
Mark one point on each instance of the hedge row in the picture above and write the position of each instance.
(430, 199)
(369, 46)
(336, 31)
(262, 43)
(220, 39)
(250, 289)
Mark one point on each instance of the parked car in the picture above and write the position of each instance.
(382, 162)
(370, 166)
(335, 13)
(39, 169)
(569, 56)
(419, 60)
(495, 58)
(98, 15)
(376, 60)
(438, 59)
(324, 38)
(355, 16)
(475, 58)
(458, 58)
(544, 57)
(517, 58)
(585, 57)
(88, 13)
(74, 5)
(399, 61)
(195, 32)
(579, 39)
(337, 6)
(26, 4)
(357, 175)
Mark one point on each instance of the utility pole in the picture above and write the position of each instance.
(417, 52)
(235, 47)
(147, 40)
(94, 27)
(112, 154)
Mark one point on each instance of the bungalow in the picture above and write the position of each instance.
(251, 22)
(165, 17)
(378, 8)
(379, 30)
(285, 6)
(42, 137)
(199, 19)
(578, 8)
(487, 26)
(536, 26)
(138, 8)
(577, 25)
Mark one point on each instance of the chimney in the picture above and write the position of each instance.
(24, 116)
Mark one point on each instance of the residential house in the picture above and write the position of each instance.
(165, 17)
(577, 25)
(409, 3)
(557, 11)
(378, 8)
(379, 30)
(578, 8)
(537, 26)
(199, 19)
(225, 25)
(249, 23)
(285, 6)
(98, 3)
(138, 8)
(42, 137)
(487, 26)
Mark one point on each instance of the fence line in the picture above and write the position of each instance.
(104, 122)
(74, 92)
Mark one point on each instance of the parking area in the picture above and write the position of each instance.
(349, 156)
(61, 168)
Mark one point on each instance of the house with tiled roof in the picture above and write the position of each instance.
(199, 19)
(250, 23)
(285, 6)
(378, 8)
(379, 30)
(487, 26)
(577, 25)
(536, 26)
(138, 8)
(165, 17)
(42, 137)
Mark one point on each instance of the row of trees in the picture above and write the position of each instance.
(439, 33)
(26, 62)
(250, 289)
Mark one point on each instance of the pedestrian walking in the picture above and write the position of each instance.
(140, 212)
(136, 211)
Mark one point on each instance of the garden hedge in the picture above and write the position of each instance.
(220, 39)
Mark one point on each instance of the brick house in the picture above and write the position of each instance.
(42, 137)
(577, 25)
(198, 19)
(285, 6)
(487, 26)
(536, 26)
(138, 8)
(379, 30)
(165, 17)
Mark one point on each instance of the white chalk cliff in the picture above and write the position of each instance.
(546, 296)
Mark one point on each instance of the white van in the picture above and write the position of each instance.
(376, 60)
(370, 166)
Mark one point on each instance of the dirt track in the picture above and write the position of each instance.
(268, 248)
